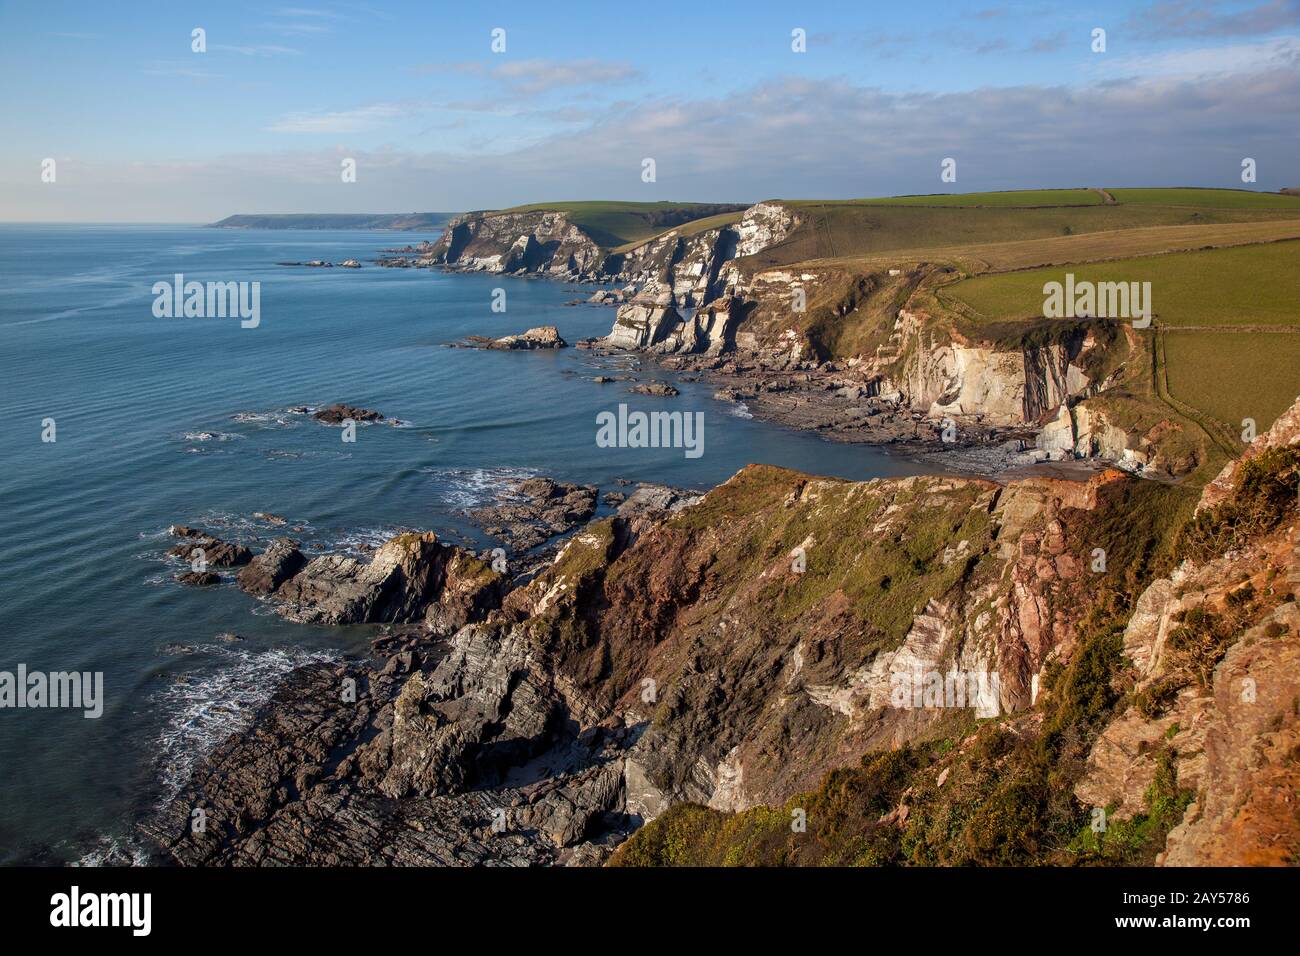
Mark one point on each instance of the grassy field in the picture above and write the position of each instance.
(1019, 199)
(1240, 286)
(1090, 247)
(1235, 375)
(840, 231)
(614, 224)
(691, 228)
(1207, 199)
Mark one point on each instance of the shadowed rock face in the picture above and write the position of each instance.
(412, 577)
(274, 566)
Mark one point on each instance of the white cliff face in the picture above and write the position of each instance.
(642, 325)
(1084, 432)
(686, 269)
(536, 242)
(658, 327)
(1016, 387)
(763, 225)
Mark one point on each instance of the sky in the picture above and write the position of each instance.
(143, 128)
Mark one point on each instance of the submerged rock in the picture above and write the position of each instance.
(338, 413)
(199, 578)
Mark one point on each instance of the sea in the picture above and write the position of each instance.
(119, 422)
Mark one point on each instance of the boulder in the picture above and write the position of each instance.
(268, 570)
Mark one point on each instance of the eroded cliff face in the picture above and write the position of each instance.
(727, 651)
(1214, 650)
(680, 268)
(524, 242)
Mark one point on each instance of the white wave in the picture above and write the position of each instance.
(211, 436)
(204, 709)
(471, 487)
(115, 851)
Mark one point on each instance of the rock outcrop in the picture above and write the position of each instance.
(1216, 667)
(523, 242)
(542, 337)
(412, 577)
(203, 550)
(340, 412)
(726, 649)
(273, 567)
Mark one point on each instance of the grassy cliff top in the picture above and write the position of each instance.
(614, 224)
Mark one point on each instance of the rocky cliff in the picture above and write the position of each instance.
(718, 663)
(1163, 726)
(524, 242)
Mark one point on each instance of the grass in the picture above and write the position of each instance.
(1020, 199)
(1207, 199)
(1241, 286)
(1235, 375)
(615, 224)
(851, 231)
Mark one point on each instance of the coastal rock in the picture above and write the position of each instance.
(340, 412)
(411, 577)
(641, 325)
(542, 337)
(199, 578)
(268, 570)
(536, 510)
(662, 389)
(523, 242)
(198, 546)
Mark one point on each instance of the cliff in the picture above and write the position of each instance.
(930, 670)
(1163, 727)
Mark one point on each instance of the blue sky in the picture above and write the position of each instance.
(144, 129)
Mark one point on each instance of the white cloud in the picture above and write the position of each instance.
(1235, 58)
(340, 121)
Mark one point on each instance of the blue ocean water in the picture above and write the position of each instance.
(174, 420)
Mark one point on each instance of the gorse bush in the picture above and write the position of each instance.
(1267, 490)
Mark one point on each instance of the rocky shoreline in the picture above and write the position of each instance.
(696, 302)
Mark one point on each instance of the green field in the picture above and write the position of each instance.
(614, 224)
(849, 230)
(1019, 198)
(1244, 285)
(1235, 375)
(1207, 199)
